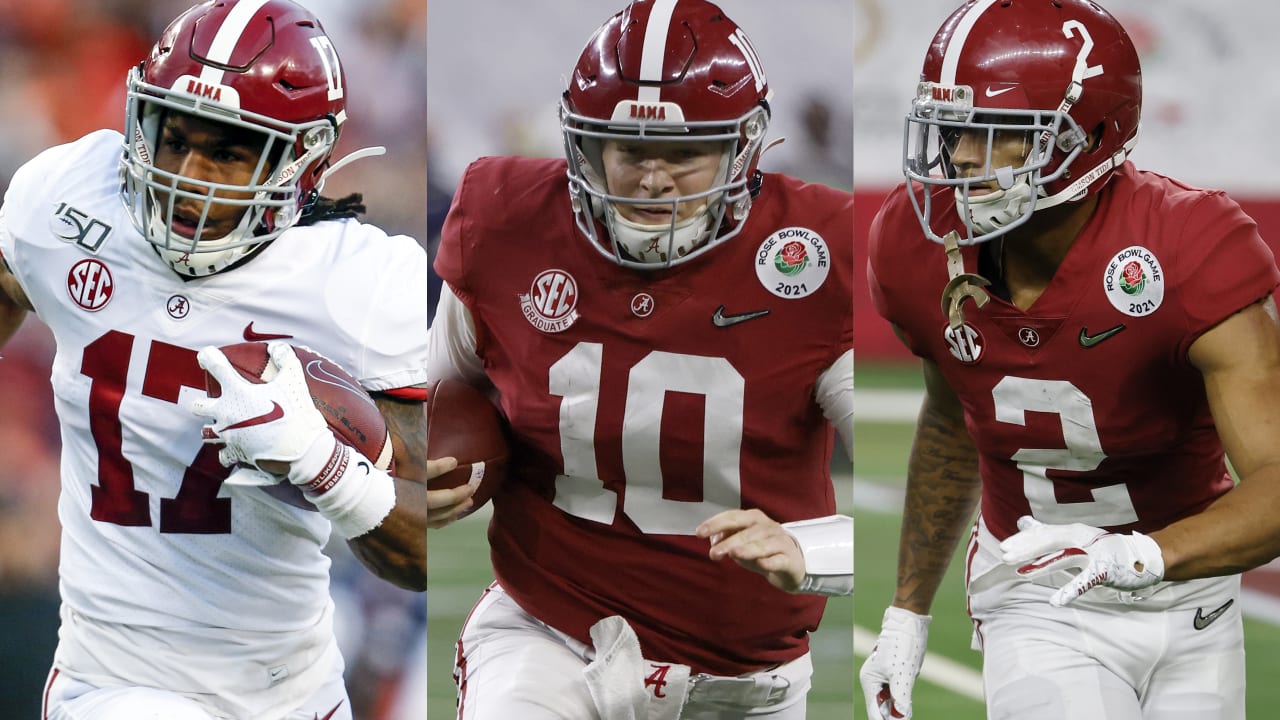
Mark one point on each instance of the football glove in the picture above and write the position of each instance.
(267, 421)
(890, 671)
(278, 421)
(1131, 561)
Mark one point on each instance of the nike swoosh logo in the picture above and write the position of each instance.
(719, 319)
(1202, 621)
(251, 336)
(275, 413)
(330, 713)
(997, 93)
(1088, 341)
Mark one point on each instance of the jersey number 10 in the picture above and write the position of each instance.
(580, 492)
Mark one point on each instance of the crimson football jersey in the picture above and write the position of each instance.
(1085, 408)
(644, 402)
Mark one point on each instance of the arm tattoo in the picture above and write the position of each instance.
(943, 488)
(407, 422)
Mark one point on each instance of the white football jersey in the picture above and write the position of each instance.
(151, 536)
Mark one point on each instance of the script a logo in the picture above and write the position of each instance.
(965, 343)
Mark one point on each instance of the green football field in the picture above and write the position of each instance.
(950, 685)
(459, 570)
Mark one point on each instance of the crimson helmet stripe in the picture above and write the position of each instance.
(655, 49)
(955, 46)
(228, 36)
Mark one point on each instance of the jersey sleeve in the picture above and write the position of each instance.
(889, 295)
(451, 257)
(1222, 265)
(22, 203)
(389, 325)
(451, 352)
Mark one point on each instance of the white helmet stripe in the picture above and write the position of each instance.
(655, 48)
(955, 45)
(228, 36)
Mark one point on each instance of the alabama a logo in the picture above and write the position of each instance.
(552, 302)
(793, 262)
(1134, 281)
(965, 343)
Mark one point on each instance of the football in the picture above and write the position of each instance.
(350, 412)
(462, 423)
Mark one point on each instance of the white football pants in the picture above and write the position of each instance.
(1178, 654)
(66, 698)
(511, 665)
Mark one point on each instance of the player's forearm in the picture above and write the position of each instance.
(13, 305)
(11, 317)
(1239, 531)
(943, 487)
(396, 550)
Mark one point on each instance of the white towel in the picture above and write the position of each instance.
(624, 685)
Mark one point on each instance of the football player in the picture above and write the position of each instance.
(184, 596)
(1108, 334)
(671, 342)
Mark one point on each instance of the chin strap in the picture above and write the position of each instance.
(772, 144)
(962, 285)
(348, 159)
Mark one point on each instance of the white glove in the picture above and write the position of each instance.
(1123, 562)
(274, 420)
(890, 672)
(277, 421)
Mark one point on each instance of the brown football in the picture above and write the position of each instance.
(351, 414)
(462, 423)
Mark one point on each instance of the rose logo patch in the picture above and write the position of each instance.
(793, 262)
(1134, 281)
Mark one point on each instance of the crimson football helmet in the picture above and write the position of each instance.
(663, 71)
(1062, 73)
(265, 66)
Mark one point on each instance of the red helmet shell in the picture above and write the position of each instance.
(1024, 55)
(271, 58)
(655, 53)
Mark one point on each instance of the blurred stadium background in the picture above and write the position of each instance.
(62, 74)
(494, 84)
(1202, 123)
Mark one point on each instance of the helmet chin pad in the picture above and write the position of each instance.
(999, 210)
(659, 243)
(205, 256)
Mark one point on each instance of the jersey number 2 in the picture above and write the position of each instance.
(575, 378)
(1111, 504)
(197, 507)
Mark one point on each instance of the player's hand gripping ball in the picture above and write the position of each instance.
(462, 423)
(346, 407)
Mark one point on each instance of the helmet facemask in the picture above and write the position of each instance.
(999, 195)
(723, 205)
(270, 203)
